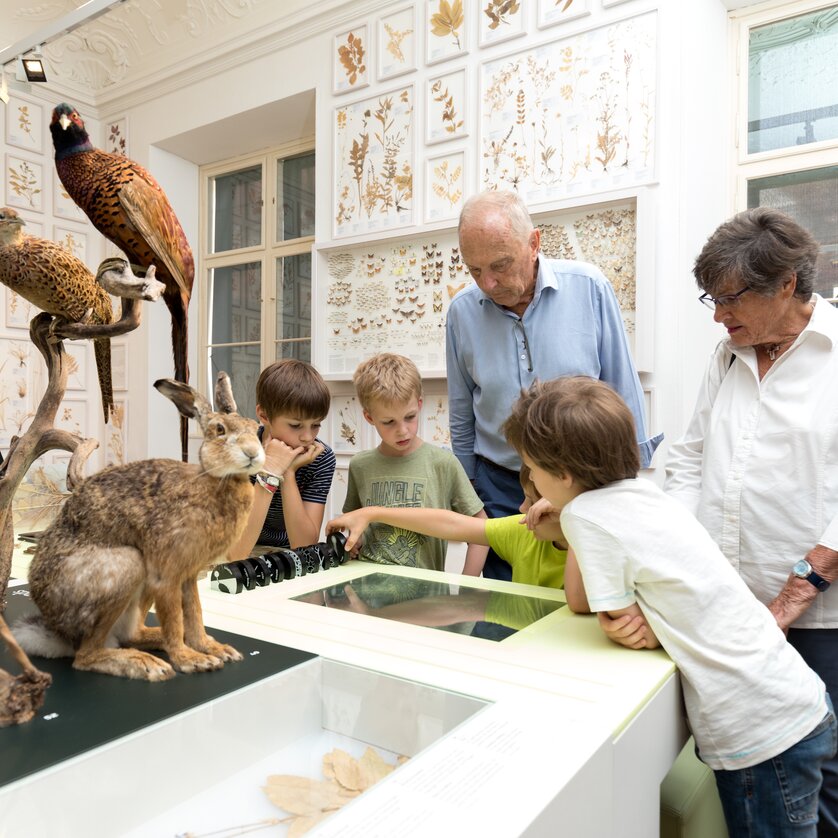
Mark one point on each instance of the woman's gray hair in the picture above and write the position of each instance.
(762, 247)
(504, 202)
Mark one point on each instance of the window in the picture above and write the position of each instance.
(787, 131)
(256, 260)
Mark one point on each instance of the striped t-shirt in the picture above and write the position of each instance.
(313, 481)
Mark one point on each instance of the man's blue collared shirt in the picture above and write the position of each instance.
(572, 326)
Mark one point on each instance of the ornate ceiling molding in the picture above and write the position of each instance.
(142, 49)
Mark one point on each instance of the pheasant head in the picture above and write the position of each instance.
(11, 226)
(69, 135)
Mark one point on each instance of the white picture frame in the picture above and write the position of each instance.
(349, 432)
(116, 136)
(446, 111)
(24, 183)
(496, 24)
(554, 12)
(395, 48)
(119, 367)
(560, 122)
(63, 206)
(445, 190)
(19, 311)
(446, 28)
(364, 165)
(71, 239)
(77, 378)
(25, 124)
(351, 60)
(72, 416)
(116, 434)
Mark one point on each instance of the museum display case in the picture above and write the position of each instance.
(550, 715)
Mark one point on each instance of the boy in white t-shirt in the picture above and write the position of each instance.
(761, 718)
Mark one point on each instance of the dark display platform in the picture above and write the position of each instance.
(92, 709)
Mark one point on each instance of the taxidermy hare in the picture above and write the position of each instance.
(140, 534)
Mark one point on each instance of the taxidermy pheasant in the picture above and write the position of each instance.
(128, 207)
(57, 282)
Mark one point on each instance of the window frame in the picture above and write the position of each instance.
(267, 253)
(747, 167)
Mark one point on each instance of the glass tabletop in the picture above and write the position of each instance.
(492, 615)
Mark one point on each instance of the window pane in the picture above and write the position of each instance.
(236, 319)
(793, 81)
(243, 368)
(811, 198)
(295, 197)
(237, 210)
(293, 313)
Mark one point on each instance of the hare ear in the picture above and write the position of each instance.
(225, 402)
(188, 401)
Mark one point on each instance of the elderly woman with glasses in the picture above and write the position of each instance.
(758, 464)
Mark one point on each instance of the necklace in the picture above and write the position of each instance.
(773, 349)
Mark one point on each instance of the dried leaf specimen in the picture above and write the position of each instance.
(499, 11)
(311, 801)
(450, 117)
(351, 56)
(394, 41)
(374, 163)
(576, 114)
(445, 183)
(23, 120)
(25, 182)
(447, 21)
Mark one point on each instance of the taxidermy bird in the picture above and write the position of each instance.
(57, 282)
(128, 207)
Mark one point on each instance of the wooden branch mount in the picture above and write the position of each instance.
(21, 696)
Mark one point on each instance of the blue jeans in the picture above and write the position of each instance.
(819, 648)
(779, 797)
(502, 495)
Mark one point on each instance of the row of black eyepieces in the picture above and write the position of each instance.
(278, 565)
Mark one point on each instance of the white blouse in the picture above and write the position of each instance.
(758, 463)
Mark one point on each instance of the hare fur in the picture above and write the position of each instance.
(141, 534)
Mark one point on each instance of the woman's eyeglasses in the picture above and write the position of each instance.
(725, 300)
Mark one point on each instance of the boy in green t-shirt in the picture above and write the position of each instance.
(537, 555)
(404, 471)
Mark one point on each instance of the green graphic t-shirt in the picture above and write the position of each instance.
(430, 477)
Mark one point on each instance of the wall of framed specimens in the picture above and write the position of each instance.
(555, 100)
(30, 184)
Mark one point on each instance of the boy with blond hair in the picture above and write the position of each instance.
(290, 492)
(760, 716)
(404, 471)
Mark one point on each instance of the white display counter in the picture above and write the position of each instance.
(551, 731)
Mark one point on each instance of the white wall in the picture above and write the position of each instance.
(690, 197)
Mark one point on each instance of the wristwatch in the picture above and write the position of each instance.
(269, 481)
(803, 570)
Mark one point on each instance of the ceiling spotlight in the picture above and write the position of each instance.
(33, 67)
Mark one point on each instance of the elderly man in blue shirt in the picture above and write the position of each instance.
(526, 317)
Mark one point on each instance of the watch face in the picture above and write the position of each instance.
(802, 569)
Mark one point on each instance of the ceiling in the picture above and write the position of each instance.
(135, 42)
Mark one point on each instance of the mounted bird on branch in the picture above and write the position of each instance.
(129, 208)
(60, 284)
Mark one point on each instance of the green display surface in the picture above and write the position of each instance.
(92, 709)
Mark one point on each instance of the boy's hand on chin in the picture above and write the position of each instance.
(278, 455)
(307, 455)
